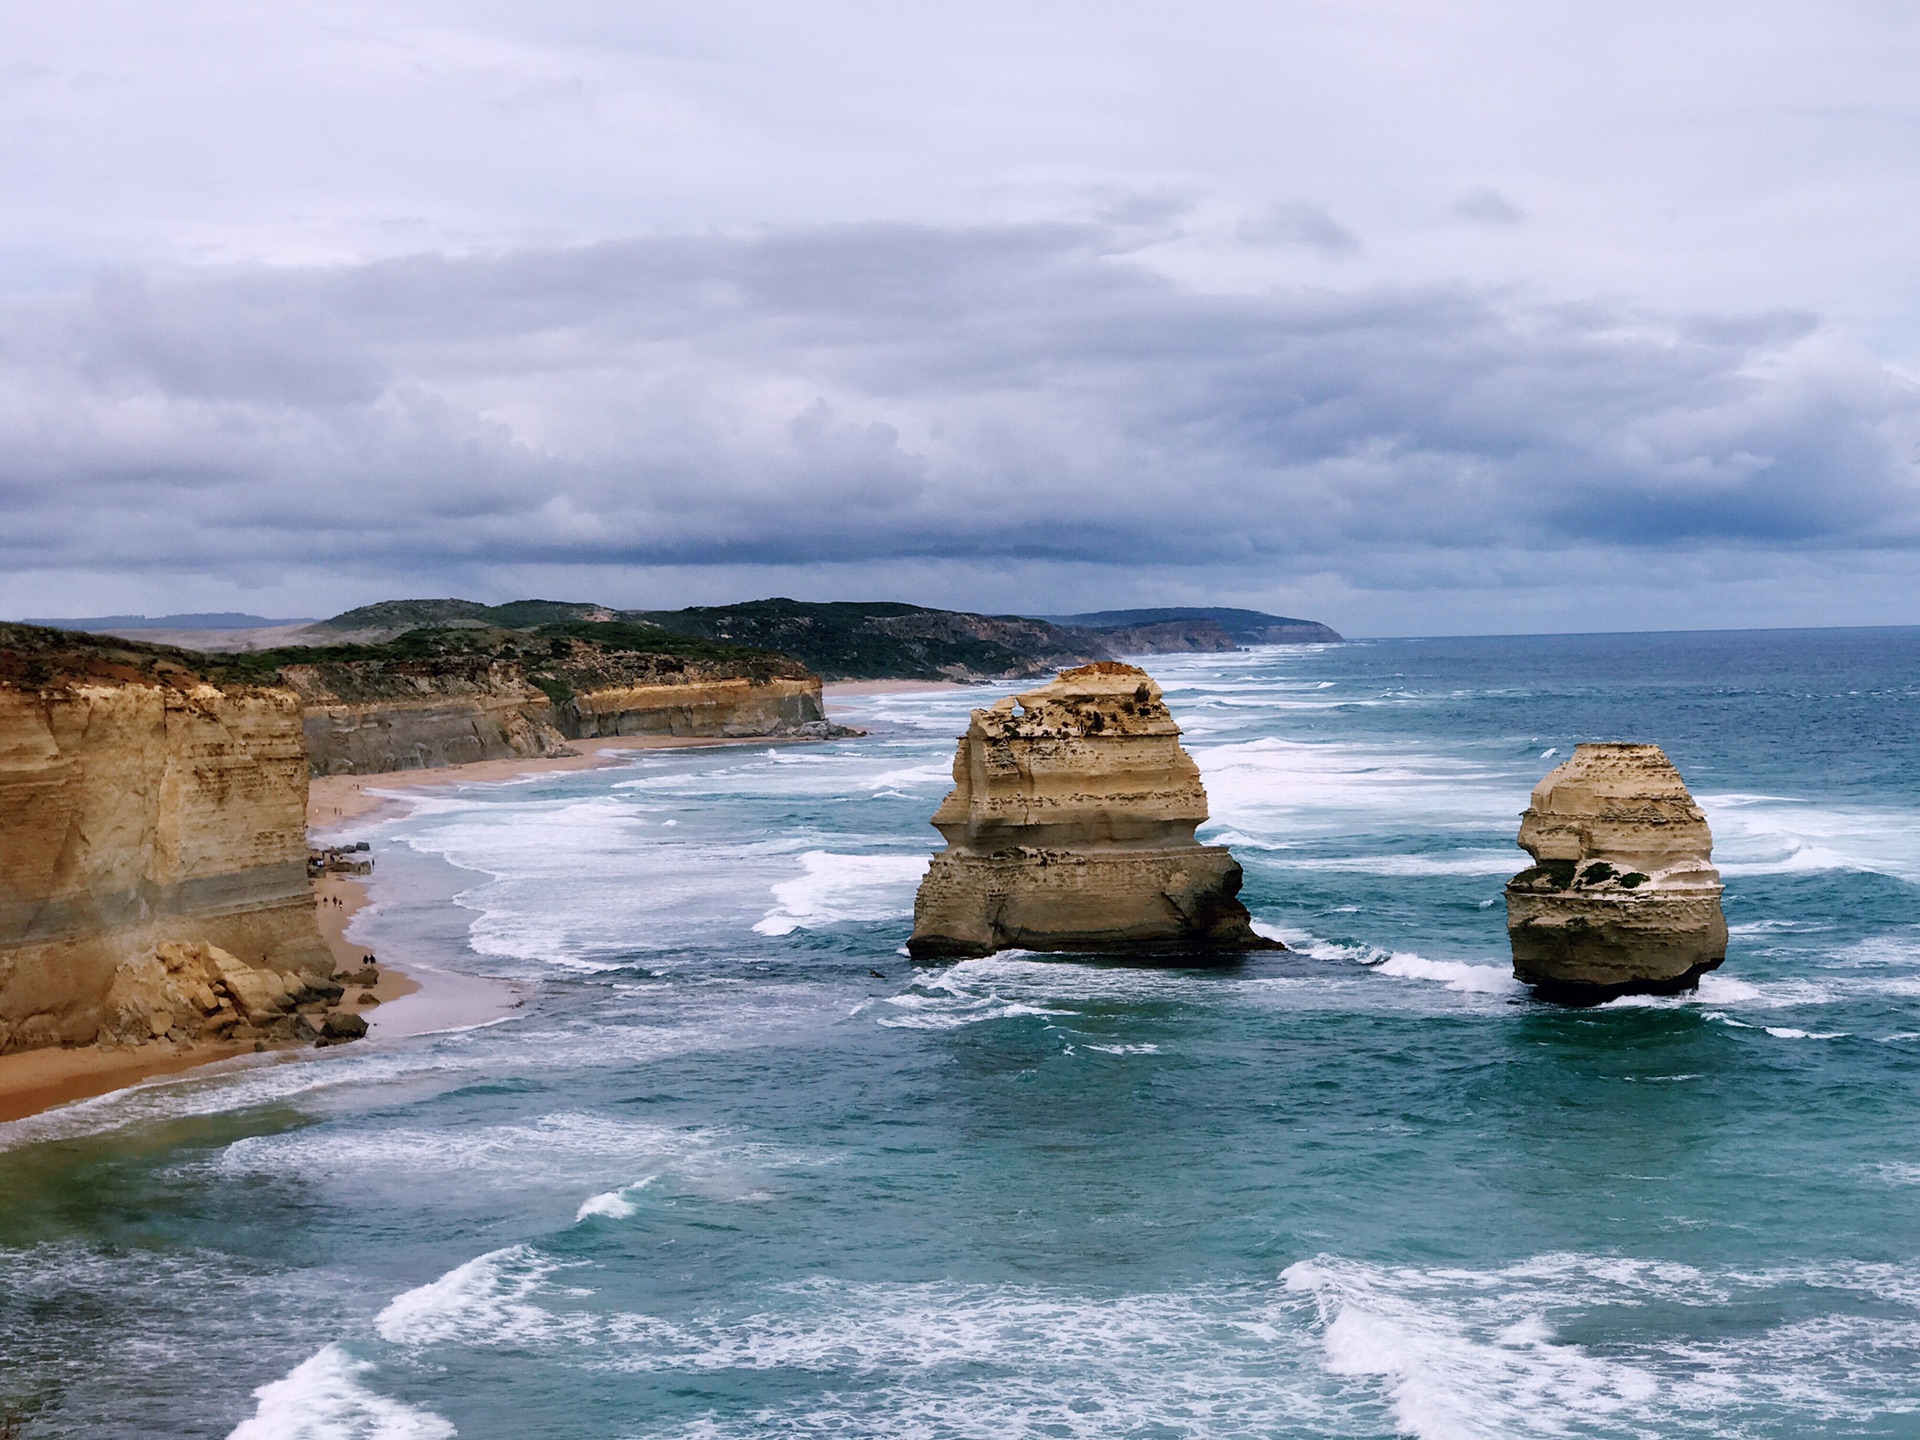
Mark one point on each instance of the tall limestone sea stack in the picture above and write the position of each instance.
(1623, 896)
(1070, 828)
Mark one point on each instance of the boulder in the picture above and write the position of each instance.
(1622, 896)
(343, 1026)
(1070, 828)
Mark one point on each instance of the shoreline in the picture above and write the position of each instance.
(335, 800)
(409, 998)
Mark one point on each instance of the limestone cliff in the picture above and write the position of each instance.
(142, 806)
(1623, 895)
(1070, 827)
(449, 697)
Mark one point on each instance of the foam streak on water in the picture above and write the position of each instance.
(738, 1168)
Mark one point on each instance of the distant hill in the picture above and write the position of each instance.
(837, 640)
(1244, 627)
(113, 624)
(883, 640)
(389, 618)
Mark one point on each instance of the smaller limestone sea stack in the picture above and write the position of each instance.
(1623, 896)
(1070, 828)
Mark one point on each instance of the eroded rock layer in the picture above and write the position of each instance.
(1070, 827)
(140, 808)
(1623, 895)
(368, 716)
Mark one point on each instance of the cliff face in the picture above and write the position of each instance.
(1623, 895)
(1070, 827)
(366, 717)
(139, 807)
(369, 716)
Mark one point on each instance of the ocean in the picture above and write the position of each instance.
(736, 1167)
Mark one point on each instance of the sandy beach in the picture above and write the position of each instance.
(36, 1080)
(333, 800)
(412, 1000)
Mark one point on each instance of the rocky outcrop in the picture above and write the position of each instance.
(144, 809)
(1070, 827)
(192, 992)
(367, 716)
(1623, 896)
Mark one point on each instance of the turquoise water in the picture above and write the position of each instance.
(716, 1177)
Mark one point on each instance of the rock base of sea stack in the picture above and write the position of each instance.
(1070, 829)
(1623, 898)
(1161, 903)
(1583, 950)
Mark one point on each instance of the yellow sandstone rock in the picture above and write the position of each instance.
(1623, 896)
(140, 814)
(1070, 827)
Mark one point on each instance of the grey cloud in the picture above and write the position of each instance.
(1012, 395)
(1484, 205)
(1310, 226)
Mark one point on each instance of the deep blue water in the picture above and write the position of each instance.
(715, 1177)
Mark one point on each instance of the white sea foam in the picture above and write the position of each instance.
(1283, 791)
(487, 1300)
(1469, 1353)
(1454, 974)
(613, 1204)
(246, 1082)
(1470, 862)
(919, 777)
(834, 888)
(922, 1012)
(1303, 942)
(977, 1361)
(326, 1398)
(562, 1148)
(1337, 1347)
(1778, 835)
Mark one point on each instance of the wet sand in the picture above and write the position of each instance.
(36, 1080)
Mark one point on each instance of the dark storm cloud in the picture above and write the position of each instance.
(882, 392)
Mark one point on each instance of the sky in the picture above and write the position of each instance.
(1413, 318)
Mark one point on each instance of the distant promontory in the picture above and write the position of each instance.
(836, 640)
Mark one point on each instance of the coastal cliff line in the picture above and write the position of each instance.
(153, 802)
(152, 830)
(368, 716)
